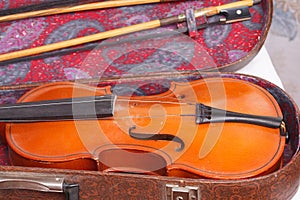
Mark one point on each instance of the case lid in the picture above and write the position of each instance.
(161, 50)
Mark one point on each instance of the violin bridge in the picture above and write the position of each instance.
(204, 113)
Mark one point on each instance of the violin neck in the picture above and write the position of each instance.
(64, 109)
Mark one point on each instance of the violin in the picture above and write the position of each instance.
(219, 128)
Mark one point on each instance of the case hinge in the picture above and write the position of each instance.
(175, 192)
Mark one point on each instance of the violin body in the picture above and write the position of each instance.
(222, 150)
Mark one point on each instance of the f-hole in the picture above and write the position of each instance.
(132, 161)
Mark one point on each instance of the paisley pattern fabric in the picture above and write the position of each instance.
(139, 53)
(4, 4)
(21, 34)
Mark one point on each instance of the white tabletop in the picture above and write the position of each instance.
(262, 66)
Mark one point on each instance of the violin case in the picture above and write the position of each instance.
(216, 51)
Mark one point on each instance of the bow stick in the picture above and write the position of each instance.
(208, 11)
(92, 45)
(78, 8)
(42, 5)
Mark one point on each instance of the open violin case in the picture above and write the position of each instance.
(139, 64)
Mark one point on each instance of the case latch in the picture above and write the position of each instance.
(175, 192)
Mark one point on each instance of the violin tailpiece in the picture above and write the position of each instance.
(207, 114)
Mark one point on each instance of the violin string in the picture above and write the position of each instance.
(150, 116)
(31, 104)
(38, 104)
(41, 103)
(157, 101)
(95, 117)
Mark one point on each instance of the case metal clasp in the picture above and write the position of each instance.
(175, 192)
